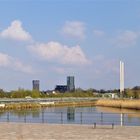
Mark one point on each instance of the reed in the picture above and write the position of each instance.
(80, 103)
(29, 105)
(128, 104)
(22, 105)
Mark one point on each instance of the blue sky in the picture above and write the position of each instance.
(51, 39)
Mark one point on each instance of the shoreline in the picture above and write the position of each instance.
(114, 103)
(30, 105)
(119, 103)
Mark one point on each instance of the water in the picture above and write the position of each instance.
(73, 115)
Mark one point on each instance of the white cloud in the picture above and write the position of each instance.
(10, 62)
(126, 38)
(4, 60)
(16, 32)
(112, 65)
(98, 33)
(56, 52)
(19, 66)
(103, 65)
(59, 70)
(99, 57)
(75, 29)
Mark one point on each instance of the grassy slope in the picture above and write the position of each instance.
(129, 104)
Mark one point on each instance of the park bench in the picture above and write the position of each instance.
(100, 125)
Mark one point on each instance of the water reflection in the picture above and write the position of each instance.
(35, 113)
(78, 115)
(70, 114)
(130, 112)
(127, 116)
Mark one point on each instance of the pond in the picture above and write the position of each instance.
(73, 115)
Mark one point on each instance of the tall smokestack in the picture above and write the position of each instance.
(121, 78)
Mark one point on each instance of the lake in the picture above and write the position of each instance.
(73, 115)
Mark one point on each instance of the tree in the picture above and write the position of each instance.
(2, 93)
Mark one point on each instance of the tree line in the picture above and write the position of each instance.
(23, 93)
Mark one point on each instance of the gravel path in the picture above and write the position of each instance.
(22, 131)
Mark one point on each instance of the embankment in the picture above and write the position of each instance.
(29, 105)
(117, 103)
(124, 103)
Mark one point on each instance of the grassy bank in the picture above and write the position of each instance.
(80, 103)
(29, 105)
(128, 104)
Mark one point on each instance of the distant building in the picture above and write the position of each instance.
(70, 83)
(69, 87)
(61, 88)
(136, 88)
(35, 85)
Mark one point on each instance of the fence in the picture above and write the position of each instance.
(70, 117)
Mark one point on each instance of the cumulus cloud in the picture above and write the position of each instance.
(112, 65)
(4, 59)
(13, 63)
(19, 66)
(102, 65)
(75, 29)
(16, 32)
(98, 33)
(59, 70)
(126, 38)
(56, 52)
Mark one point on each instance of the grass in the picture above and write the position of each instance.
(79, 103)
(29, 105)
(116, 103)
(22, 105)
(128, 104)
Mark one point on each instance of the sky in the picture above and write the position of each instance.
(49, 40)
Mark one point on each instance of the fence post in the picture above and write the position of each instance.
(61, 117)
(81, 117)
(24, 117)
(112, 125)
(42, 116)
(101, 117)
(122, 119)
(94, 125)
(8, 116)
